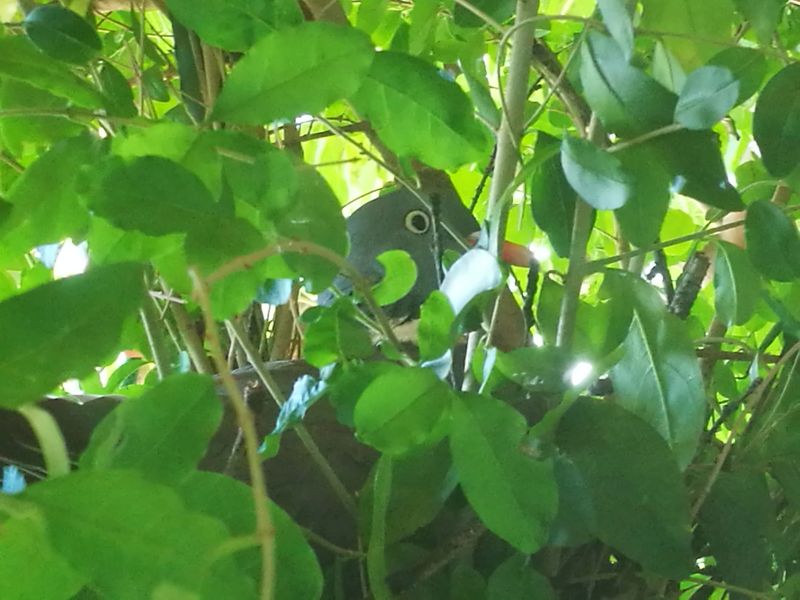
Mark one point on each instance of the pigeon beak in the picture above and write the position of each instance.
(512, 254)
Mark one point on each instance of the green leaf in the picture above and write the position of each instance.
(400, 273)
(473, 273)
(402, 409)
(552, 198)
(141, 433)
(62, 329)
(46, 205)
(417, 113)
(128, 536)
(297, 571)
(640, 506)
(435, 332)
(117, 91)
(697, 28)
(272, 81)
(736, 284)
(641, 217)
(153, 195)
(31, 568)
(626, 99)
(773, 243)
(776, 122)
(749, 68)
(619, 25)
(742, 552)
(695, 164)
(336, 335)
(514, 494)
(596, 175)
(707, 96)
(234, 25)
(62, 34)
(515, 579)
(666, 69)
(19, 59)
(659, 380)
(499, 10)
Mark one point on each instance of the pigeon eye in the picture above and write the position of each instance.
(417, 221)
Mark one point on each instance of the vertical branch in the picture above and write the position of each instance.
(511, 126)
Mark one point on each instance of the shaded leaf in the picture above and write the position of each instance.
(552, 198)
(234, 25)
(20, 60)
(659, 380)
(83, 314)
(153, 195)
(639, 503)
(773, 243)
(736, 284)
(596, 175)
(626, 99)
(336, 335)
(62, 34)
(776, 122)
(499, 10)
(749, 68)
(764, 16)
(417, 113)
(117, 91)
(515, 579)
(273, 79)
(707, 96)
(514, 494)
(142, 433)
(402, 409)
(742, 551)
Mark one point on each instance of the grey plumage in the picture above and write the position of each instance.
(398, 220)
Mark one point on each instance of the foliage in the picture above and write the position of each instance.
(199, 153)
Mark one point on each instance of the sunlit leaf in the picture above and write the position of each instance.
(400, 273)
(273, 79)
(513, 494)
(475, 272)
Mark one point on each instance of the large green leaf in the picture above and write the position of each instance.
(234, 25)
(417, 113)
(772, 241)
(659, 380)
(763, 15)
(163, 433)
(737, 519)
(639, 504)
(130, 536)
(776, 123)
(400, 274)
(619, 24)
(697, 28)
(46, 205)
(62, 329)
(695, 164)
(62, 34)
(153, 195)
(707, 96)
(552, 198)
(30, 567)
(626, 99)
(19, 59)
(736, 284)
(597, 176)
(402, 409)
(435, 332)
(297, 571)
(272, 81)
(641, 217)
(514, 494)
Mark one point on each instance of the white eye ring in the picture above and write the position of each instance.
(417, 221)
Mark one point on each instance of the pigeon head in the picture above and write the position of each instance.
(399, 221)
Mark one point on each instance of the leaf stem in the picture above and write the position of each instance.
(265, 531)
